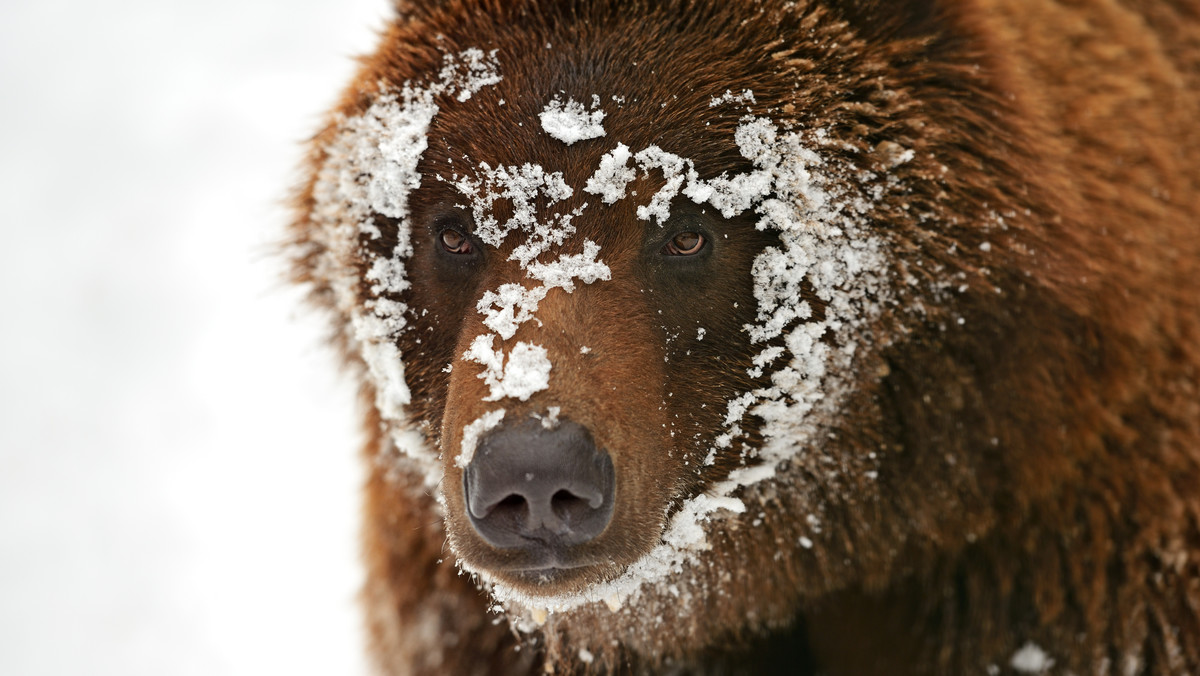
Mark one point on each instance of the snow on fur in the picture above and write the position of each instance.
(1031, 659)
(473, 431)
(569, 122)
(370, 170)
(525, 370)
(612, 176)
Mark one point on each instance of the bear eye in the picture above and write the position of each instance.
(455, 242)
(685, 244)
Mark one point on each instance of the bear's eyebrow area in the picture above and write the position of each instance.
(451, 217)
(686, 218)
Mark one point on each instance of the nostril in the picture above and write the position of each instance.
(513, 508)
(511, 513)
(572, 510)
(563, 497)
(511, 502)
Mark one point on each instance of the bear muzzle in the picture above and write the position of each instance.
(540, 491)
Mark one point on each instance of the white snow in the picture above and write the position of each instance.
(472, 432)
(528, 367)
(522, 187)
(525, 372)
(1031, 659)
(570, 122)
(550, 420)
(467, 73)
(562, 273)
(746, 96)
(612, 175)
(675, 170)
(509, 306)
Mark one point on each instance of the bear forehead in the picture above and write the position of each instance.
(640, 67)
(505, 127)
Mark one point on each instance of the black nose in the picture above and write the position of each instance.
(528, 485)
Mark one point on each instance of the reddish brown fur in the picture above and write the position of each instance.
(1039, 472)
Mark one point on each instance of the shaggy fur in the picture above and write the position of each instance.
(1029, 402)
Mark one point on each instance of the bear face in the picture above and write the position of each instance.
(688, 322)
(607, 289)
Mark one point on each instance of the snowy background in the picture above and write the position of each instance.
(178, 470)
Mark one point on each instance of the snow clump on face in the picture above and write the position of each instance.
(610, 179)
(508, 307)
(473, 431)
(563, 272)
(369, 171)
(675, 170)
(1031, 659)
(824, 241)
(746, 97)
(614, 174)
(511, 305)
(526, 372)
(570, 122)
(521, 187)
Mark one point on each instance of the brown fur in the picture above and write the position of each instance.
(1036, 433)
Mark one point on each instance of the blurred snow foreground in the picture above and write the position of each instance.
(178, 461)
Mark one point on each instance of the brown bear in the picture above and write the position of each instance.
(814, 336)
